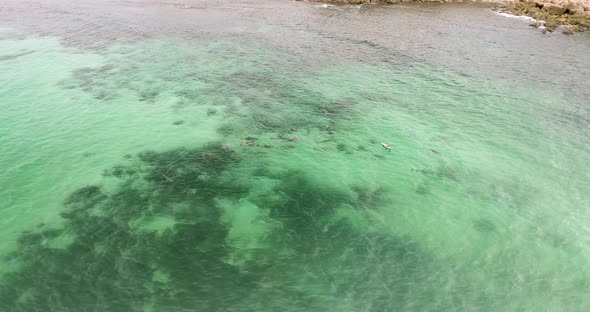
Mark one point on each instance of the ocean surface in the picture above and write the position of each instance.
(169, 156)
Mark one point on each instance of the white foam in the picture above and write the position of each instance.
(524, 18)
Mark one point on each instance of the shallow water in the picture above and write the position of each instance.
(226, 156)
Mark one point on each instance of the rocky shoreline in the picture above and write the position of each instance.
(567, 16)
(406, 1)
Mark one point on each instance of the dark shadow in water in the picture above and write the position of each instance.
(484, 226)
(111, 264)
(269, 102)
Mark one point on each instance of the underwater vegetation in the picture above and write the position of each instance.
(261, 99)
(112, 266)
(165, 239)
(107, 257)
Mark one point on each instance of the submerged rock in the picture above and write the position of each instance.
(435, 151)
(568, 31)
(552, 23)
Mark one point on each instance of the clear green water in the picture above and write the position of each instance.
(129, 183)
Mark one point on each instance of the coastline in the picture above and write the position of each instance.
(407, 1)
(567, 16)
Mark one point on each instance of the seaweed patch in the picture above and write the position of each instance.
(161, 238)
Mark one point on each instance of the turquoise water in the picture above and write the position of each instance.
(227, 157)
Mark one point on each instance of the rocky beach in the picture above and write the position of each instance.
(552, 15)
(567, 16)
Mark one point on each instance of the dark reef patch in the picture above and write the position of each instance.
(264, 100)
(110, 265)
(112, 262)
(484, 226)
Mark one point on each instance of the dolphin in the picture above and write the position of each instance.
(386, 146)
